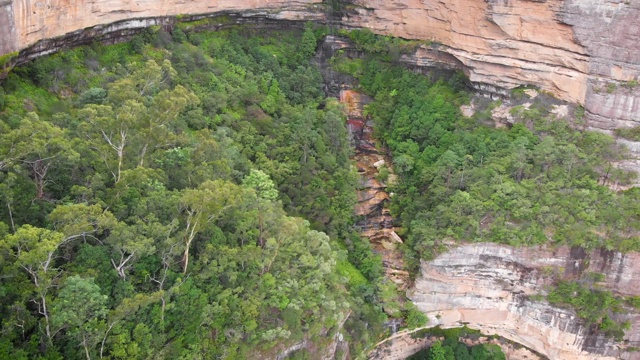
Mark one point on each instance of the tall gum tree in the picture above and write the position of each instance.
(34, 251)
(202, 206)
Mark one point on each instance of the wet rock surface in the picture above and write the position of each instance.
(375, 222)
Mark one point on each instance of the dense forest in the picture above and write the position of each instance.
(190, 195)
(182, 195)
(540, 180)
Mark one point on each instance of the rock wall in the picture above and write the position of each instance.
(7, 36)
(487, 286)
(404, 344)
(35, 20)
(583, 51)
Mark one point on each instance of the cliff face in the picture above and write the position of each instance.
(487, 286)
(25, 22)
(583, 51)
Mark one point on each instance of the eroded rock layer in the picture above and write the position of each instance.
(30, 21)
(488, 286)
(584, 51)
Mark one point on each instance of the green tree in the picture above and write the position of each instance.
(110, 131)
(37, 144)
(202, 206)
(80, 310)
(262, 184)
(130, 242)
(308, 42)
(34, 250)
(437, 352)
(83, 221)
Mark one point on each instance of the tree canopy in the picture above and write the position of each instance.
(154, 196)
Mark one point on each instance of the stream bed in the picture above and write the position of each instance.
(374, 220)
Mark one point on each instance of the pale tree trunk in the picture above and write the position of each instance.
(189, 236)
(105, 338)
(120, 268)
(142, 153)
(42, 303)
(13, 225)
(86, 348)
(119, 149)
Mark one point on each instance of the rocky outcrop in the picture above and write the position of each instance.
(29, 21)
(487, 287)
(375, 221)
(572, 48)
(406, 343)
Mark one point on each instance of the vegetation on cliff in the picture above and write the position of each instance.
(597, 307)
(153, 196)
(449, 346)
(539, 181)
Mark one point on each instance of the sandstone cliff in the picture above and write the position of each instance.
(487, 287)
(35, 20)
(584, 51)
(23, 23)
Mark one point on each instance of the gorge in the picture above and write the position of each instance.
(582, 51)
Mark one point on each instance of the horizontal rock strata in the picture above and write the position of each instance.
(582, 51)
(487, 287)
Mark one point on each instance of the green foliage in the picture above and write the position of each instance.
(366, 40)
(632, 134)
(179, 36)
(593, 305)
(149, 193)
(535, 182)
(262, 184)
(354, 276)
(451, 348)
(634, 301)
(93, 96)
(4, 59)
(414, 317)
(519, 92)
(345, 65)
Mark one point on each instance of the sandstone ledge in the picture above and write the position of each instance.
(486, 286)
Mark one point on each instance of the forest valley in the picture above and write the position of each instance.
(189, 195)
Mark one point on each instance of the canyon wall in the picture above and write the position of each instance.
(487, 286)
(584, 51)
(24, 23)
